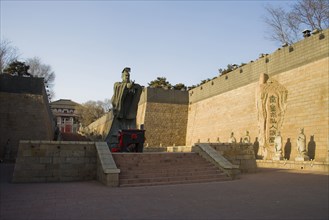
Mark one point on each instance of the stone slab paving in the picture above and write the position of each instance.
(269, 194)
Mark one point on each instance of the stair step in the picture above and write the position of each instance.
(145, 169)
(127, 175)
(175, 182)
(172, 178)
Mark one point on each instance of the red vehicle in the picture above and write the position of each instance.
(130, 140)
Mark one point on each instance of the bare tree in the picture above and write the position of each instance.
(279, 24)
(287, 26)
(38, 69)
(313, 14)
(8, 54)
(90, 112)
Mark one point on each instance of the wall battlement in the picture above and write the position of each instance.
(305, 51)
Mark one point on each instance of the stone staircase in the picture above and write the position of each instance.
(145, 169)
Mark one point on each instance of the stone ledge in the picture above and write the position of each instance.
(210, 154)
(107, 171)
(55, 142)
(294, 165)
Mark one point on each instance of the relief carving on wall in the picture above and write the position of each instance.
(271, 101)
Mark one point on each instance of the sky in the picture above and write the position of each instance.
(89, 43)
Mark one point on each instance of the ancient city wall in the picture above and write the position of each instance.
(228, 103)
(164, 116)
(24, 113)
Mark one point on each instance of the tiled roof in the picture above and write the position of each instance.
(63, 103)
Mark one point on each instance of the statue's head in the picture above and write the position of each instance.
(125, 75)
(301, 130)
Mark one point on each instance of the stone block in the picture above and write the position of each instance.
(45, 173)
(74, 160)
(27, 153)
(46, 159)
(69, 173)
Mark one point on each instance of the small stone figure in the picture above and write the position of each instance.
(278, 142)
(301, 142)
(301, 146)
(278, 147)
(246, 139)
(232, 138)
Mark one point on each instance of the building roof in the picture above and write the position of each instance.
(64, 103)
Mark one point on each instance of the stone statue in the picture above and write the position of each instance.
(301, 142)
(125, 100)
(278, 142)
(124, 106)
(246, 139)
(232, 138)
(278, 147)
(301, 146)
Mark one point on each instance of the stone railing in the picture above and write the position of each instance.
(107, 171)
(213, 156)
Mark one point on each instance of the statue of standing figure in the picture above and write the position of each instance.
(246, 138)
(232, 138)
(125, 100)
(301, 146)
(277, 147)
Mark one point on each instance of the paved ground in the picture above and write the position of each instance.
(270, 194)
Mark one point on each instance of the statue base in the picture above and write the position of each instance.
(302, 158)
(277, 156)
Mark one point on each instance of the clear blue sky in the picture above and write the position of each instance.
(88, 43)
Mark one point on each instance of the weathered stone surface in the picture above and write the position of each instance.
(55, 161)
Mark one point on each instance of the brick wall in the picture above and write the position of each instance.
(50, 161)
(238, 154)
(24, 116)
(224, 105)
(164, 115)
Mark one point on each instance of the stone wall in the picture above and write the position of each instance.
(242, 155)
(51, 161)
(100, 127)
(313, 166)
(224, 105)
(24, 113)
(164, 116)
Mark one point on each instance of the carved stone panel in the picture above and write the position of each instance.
(271, 100)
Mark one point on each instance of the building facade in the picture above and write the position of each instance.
(65, 113)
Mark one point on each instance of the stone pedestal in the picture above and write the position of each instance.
(302, 158)
(277, 156)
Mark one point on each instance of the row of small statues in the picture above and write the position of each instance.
(245, 139)
(301, 144)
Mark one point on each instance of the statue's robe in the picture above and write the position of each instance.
(124, 109)
(125, 100)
